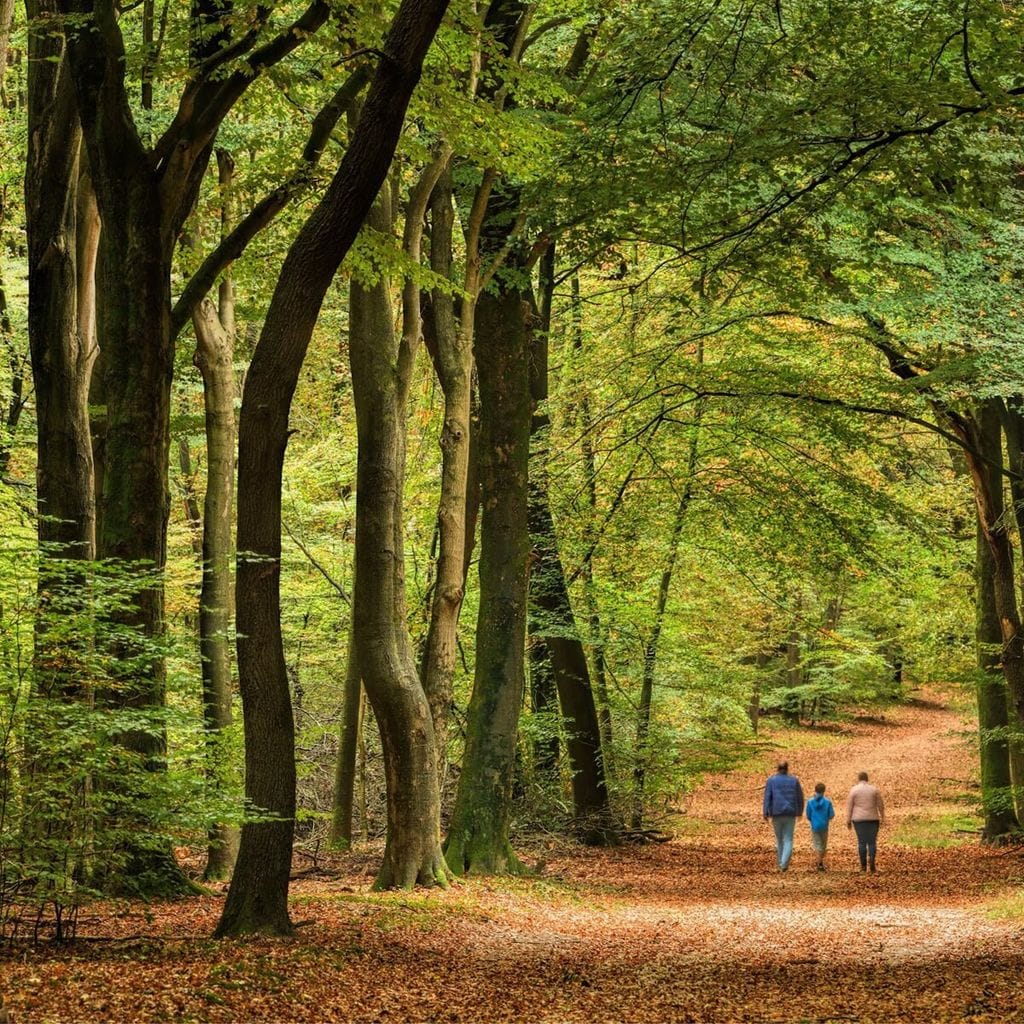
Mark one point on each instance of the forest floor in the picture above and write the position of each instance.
(698, 929)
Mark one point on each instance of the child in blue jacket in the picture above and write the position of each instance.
(819, 813)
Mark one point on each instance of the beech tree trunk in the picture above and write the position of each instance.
(348, 746)
(596, 628)
(412, 854)
(59, 338)
(557, 650)
(451, 348)
(258, 897)
(558, 636)
(478, 837)
(993, 715)
(985, 453)
(214, 356)
(1013, 428)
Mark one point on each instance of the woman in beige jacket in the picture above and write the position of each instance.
(865, 813)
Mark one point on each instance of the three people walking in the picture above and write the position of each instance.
(784, 803)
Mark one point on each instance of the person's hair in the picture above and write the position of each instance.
(819, 787)
(862, 776)
(783, 766)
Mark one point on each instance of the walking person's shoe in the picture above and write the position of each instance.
(871, 866)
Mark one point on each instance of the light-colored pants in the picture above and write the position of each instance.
(785, 826)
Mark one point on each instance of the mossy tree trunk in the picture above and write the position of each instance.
(993, 711)
(478, 838)
(450, 344)
(412, 854)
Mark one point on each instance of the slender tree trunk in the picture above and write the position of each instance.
(214, 356)
(643, 721)
(351, 722)
(258, 897)
(383, 646)
(451, 348)
(993, 716)
(544, 704)
(596, 627)
(478, 838)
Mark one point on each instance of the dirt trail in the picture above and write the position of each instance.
(699, 929)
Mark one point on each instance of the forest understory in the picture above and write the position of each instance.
(700, 928)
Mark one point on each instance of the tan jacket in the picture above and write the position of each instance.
(865, 803)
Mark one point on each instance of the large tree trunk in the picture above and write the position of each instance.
(383, 646)
(993, 714)
(478, 837)
(60, 343)
(557, 650)
(1012, 413)
(258, 898)
(984, 453)
(557, 635)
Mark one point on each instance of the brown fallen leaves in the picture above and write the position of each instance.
(700, 929)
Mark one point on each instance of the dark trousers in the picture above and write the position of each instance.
(867, 838)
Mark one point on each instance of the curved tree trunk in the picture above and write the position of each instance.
(451, 348)
(258, 897)
(556, 651)
(412, 855)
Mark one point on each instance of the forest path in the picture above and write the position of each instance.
(699, 929)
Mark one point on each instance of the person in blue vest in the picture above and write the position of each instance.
(783, 804)
(819, 813)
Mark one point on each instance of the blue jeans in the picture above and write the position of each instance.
(784, 825)
(867, 837)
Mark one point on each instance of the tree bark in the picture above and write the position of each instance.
(214, 356)
(993, 714)
(596, 628)
(412, 854)
(351, 723)
(557, 650)
(478, 837)
(59, 339)
(258, 897)
(984, 452)
(452, 351)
